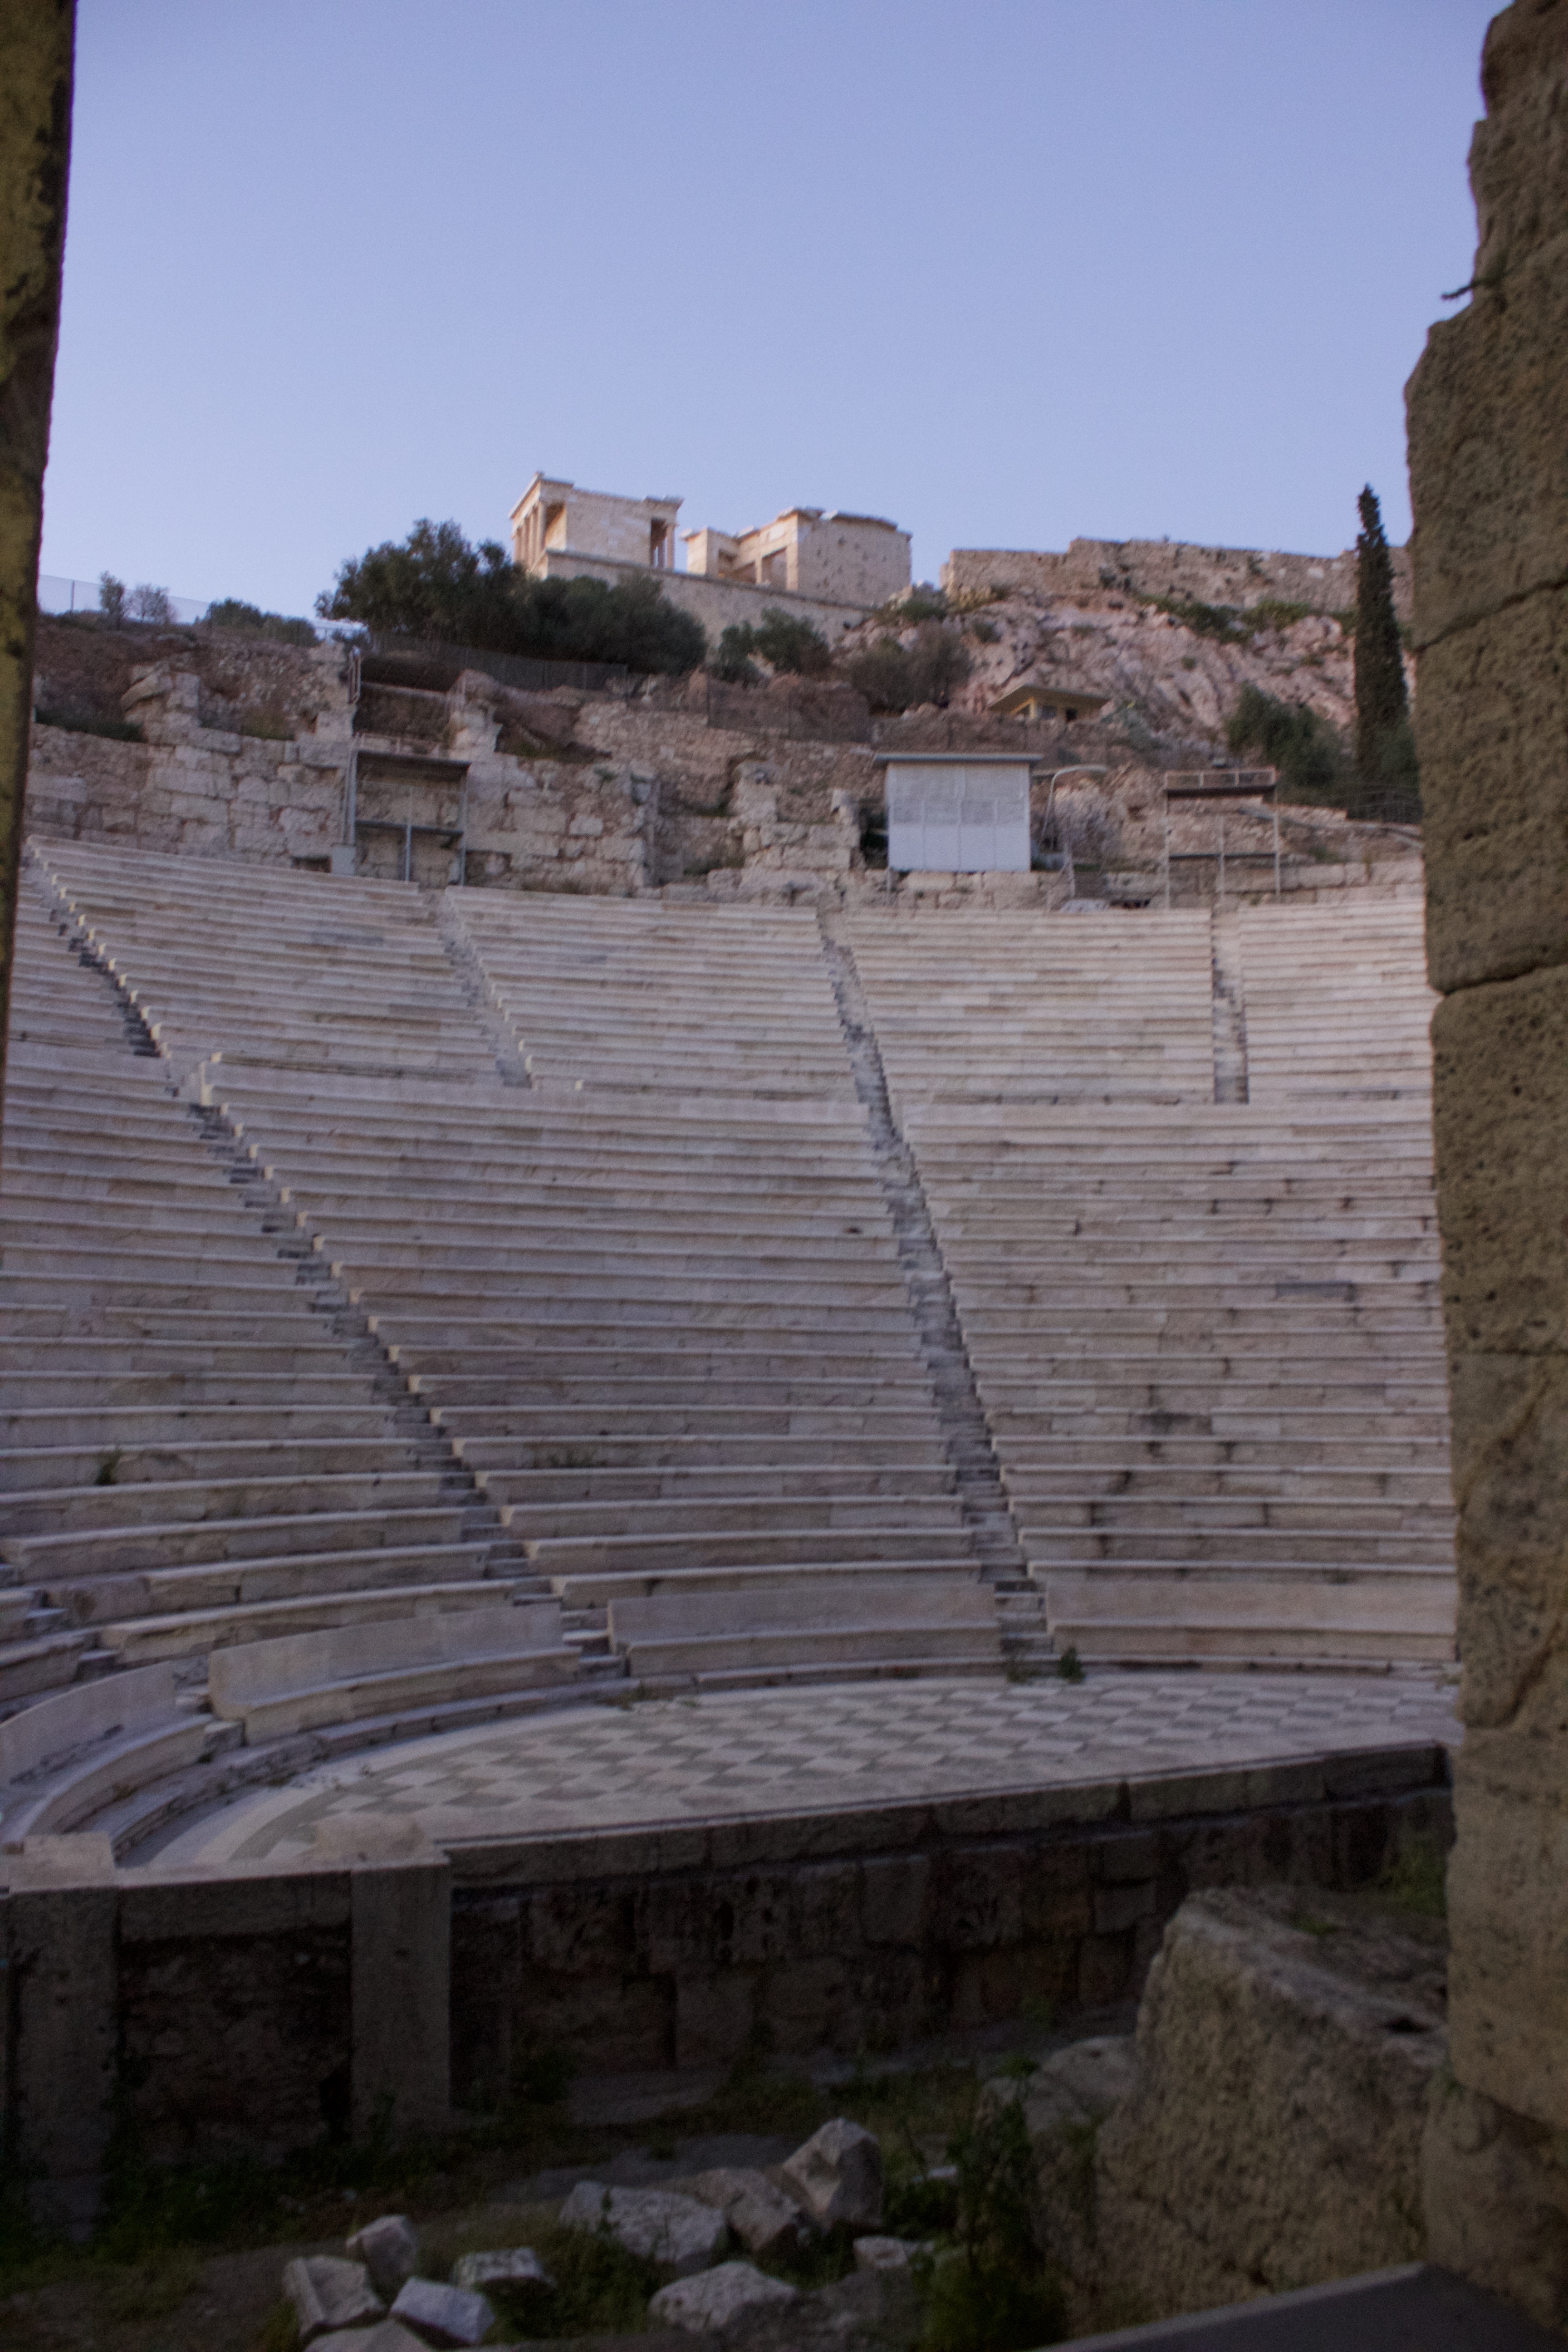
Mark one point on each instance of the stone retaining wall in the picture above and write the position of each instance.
(1164, 567)
(263, 2008)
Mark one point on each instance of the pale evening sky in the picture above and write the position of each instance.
(1005, 272)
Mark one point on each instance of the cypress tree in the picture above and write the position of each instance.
(1382, 709)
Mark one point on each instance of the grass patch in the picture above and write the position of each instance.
(1416, 1880)
(153, 2289)
(88, 722)
(599, 2289)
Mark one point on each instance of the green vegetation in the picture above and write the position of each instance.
(599, 2289)
(1218, 620)
(1070, 1665)
(436, 586)
(789, 645)
(1273, 613)
(895, 676)
(77, 721)
(992, 2289)
(250, 621)
(1385, 748)
(1417, 1878)
(1305, 748)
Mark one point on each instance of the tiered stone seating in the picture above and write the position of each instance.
(1206, 1336)
(192, 1453)
(1337, 1001)
(675, 1000)
(665, 1326)
(1001, 1007)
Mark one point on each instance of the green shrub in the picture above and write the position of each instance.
(788, 643)
(880, 671)
(234, 613)
(1273, 613)
(984, 632)
(732, 662)
(88, 722)
(1219, 621)
(1306, 750)
(436, 586)
(993, 2290)
(599, 2289)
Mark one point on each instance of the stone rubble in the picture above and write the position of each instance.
(329, 2294)
(444, 2315)
(767, 2222)
(708, 2303)
(389, 2335)
(389, 2249)
(518, 2266)
(885, 2253)
(659, 2224)
(838, 2176)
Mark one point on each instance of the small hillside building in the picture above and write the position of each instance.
(1045, 694)
(556, 519)
(965, 813)
(849, 558)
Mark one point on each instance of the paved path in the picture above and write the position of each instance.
(788, 1751)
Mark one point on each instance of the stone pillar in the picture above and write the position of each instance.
(61, 1940)
(1488, 462)
(37, 39)
(400, 1973)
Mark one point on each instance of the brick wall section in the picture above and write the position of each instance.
(1488, 461)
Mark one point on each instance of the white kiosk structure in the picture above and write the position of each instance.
(952, 813)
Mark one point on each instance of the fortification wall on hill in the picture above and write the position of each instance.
(1164, 567)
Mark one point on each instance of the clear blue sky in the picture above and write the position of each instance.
(1007, 271)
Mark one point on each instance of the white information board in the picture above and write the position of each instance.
(953, 816)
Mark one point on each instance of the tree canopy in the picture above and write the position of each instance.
(435, 586)
(1382, 706)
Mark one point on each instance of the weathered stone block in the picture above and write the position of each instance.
(1507, 1905)
(894, 1891)
(1510, 1431)
(709, 2305)
(1272, 2134)
(713, 2017)
(1490, 717)
(1519, 157)
(1489, 463)
(827, 1914)
(1500, 1119)
(980, 1898)
(838, 2176)
(1494, 2200)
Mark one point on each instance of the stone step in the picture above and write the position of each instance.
(581, 1556)
(142, 1641)
(780, 1518)
(183, 1461)
(171, 1502)
(54, 1559)
(762, 1483)
(284, 1576)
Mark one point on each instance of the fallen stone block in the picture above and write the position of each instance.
(709, 2303)
(520, 2266)
(659, 2224)
(766, 2221)
(444, 2315)
(885, 2253)
(328, 2293)
(389, 2249)
(389, 2335)
(838, 2176)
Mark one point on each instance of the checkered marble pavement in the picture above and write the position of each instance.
(746, 1753)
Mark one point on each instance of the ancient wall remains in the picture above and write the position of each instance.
(1163, 567)
(1488, 460)
(270, 2008)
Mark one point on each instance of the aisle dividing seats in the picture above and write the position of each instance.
(643, 998)
(192, 1453)
(659, 1318)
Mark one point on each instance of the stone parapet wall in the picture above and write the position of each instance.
(283, 2006)
(1162, 567)
(716, 604)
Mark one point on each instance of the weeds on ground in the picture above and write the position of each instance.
(1416, 1880)
(598, 2289)
(991, 2287)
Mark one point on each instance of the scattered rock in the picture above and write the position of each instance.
(520, 2267)
(444, 2315)
(389, 2249)
(389, 2337)
(659, 2224)
(885, 2253)
(839, 2175)
(766, 2221)
(1079, 2085)
(709, 2303)
(329, 2294)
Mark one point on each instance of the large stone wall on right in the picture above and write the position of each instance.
(1488, 461)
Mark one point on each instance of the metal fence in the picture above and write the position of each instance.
(157, 608)
(520, 671)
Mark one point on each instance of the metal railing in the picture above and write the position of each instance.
(1222, 788)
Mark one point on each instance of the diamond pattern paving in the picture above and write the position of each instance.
(787, 1751)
